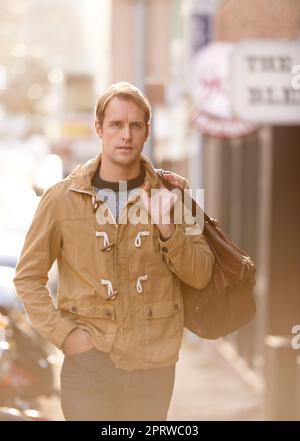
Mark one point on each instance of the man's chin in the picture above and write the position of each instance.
(127, 158)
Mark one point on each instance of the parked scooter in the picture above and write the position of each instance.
(25, 371)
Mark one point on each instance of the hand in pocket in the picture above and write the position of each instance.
(78, 341)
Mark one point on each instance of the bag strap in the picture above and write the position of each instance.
(187, 198)
(210, 224)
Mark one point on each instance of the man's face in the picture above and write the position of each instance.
(123, 132)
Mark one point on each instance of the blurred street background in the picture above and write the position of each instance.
(223, 78)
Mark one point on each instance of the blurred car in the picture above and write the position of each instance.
(11, 243)
(8, 298)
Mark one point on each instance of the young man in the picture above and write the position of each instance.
(119, 314)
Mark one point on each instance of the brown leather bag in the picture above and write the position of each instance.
(226, 304)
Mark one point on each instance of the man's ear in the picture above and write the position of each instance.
(98, 128)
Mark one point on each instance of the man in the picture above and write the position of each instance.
(119, 313)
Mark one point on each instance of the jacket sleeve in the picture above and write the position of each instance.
(40, 250)
(188, 254)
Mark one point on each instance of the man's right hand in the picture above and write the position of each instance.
(77, 341)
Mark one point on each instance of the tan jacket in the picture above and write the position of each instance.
(119, 282)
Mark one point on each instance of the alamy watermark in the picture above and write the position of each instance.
(295, 82)
(296, 339)
(156, 206)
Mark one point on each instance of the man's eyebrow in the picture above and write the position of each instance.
(120, 121)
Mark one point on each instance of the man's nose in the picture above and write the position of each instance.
(126, 132)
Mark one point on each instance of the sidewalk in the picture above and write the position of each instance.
(206, 388)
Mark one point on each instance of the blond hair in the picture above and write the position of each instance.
(126, 91)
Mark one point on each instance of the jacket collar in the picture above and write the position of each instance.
(82, 175)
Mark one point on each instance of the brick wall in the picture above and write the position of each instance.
(242, 19)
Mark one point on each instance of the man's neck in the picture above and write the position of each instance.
(115, 173)
(118, 186)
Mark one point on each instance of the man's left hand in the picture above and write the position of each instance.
(159, 204)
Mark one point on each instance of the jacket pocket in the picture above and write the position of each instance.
(83, 309)
(163, 330)
(98, 319)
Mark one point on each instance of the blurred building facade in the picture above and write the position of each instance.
(147, 50)
(252, 185)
